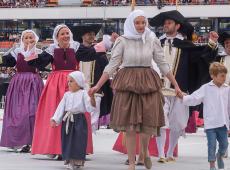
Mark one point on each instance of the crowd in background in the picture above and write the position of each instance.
(44, 3)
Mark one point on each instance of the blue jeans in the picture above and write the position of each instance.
(217, 134)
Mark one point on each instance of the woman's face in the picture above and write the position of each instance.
(140, 24)
(63, 37)
(28, 39)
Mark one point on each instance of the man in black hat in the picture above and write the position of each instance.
(93, 70)
(184, 58)
(224, 56)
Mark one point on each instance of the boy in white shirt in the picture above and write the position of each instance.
(215, 96)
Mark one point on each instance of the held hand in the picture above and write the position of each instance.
(179, 93)
(53, 124)
(93, 101)
(213, 36)
(100, 47)
(31, 57)
(114, 36)
(93, 90)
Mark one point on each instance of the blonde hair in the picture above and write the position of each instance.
(217, 68)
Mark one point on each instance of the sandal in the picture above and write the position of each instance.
(162, 160)
(170, 159)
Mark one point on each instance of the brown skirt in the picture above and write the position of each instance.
(138, 101)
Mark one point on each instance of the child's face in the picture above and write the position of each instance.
(219, 79)
(72, 84)
(28, 39)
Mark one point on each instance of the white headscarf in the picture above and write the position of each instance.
(130, 31)
(56, 31)
(28, 51)
(79, 78)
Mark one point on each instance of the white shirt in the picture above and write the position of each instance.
(75, 102)
(132, 53)
(216, 102)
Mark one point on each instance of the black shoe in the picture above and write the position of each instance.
(59, 158)
(25, 149)
(127, 161)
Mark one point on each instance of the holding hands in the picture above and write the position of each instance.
(93, 90)
(53, 124)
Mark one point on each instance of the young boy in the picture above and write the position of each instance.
(70, 112)
(215, 96)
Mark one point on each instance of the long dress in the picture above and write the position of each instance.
(47, 140)
(21, 103)
(119, 145)
(138, 102)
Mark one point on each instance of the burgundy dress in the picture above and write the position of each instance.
(21, 103)
(47, 140)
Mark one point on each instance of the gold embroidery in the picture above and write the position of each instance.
(222, 60)
(92, 72)
(1, 60)
(176, 61)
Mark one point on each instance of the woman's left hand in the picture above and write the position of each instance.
(179, 93)
(93, 90)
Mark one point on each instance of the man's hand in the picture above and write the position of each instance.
(114, 36)
(93, 101)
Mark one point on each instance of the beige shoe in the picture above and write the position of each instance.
(148, 163)
(162, 160)
(171, 159)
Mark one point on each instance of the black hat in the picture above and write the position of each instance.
(109, 29)
(79, 30)
(223, 37)
(185, 27)
(174, 15)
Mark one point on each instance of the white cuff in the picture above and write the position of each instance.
(108, 43)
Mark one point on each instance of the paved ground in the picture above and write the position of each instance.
(192, 151)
